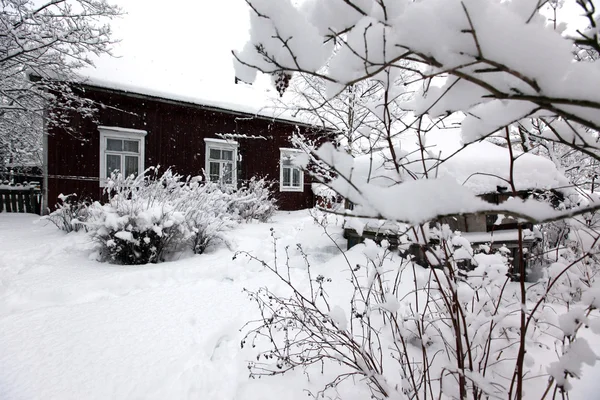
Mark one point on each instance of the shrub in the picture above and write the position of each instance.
(149, 217)
(152, 216)
(140, 223)
(129, 233)
(207, 216)
(254, 201)
(406, 331)
(70, 214)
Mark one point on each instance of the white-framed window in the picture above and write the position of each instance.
(121, 149)
(291, 177)
(221, 161)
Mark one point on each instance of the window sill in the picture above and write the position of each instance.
(291, 189)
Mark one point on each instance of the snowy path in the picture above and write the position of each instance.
(71, 328)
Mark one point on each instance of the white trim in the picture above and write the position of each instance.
(45, 206)
(221, 144)
(283, 152)
(112, 132)
(122, 130)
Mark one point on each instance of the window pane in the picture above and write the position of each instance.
(114, 145)
(227, 155)
(227, 173)
(132, 146)
(215, 154)
(296, 177)
(213, 173)
(131, 165)
(286, 177)
(113, 162)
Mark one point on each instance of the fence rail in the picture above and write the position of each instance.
(20, 199)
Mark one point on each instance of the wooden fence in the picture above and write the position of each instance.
(20, 198)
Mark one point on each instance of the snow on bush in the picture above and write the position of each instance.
(512, 73)
(405, 330)
(148, 218)
(207, 215)
(253, 201)
(70, 214)
(141, 222)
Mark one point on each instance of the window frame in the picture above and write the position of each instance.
(119, 133)
(286, 152)
(221, 144)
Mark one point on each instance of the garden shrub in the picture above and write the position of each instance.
(150, 217)
(140, 223)
(254, 201)
(206, 215)
(136, 231)
(70, 214)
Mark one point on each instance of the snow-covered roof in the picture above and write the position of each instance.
(233, 97)
(499, 237)
(480, 166)
(182, 56)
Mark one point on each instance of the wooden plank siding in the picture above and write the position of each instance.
(176, 133)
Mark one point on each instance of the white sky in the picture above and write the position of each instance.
(175, 45)
(184, 46)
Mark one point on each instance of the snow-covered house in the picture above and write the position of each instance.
(483, 167)
(232, 139)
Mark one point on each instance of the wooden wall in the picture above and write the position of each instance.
(175, 138)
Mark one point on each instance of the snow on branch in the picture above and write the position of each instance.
(43, 44)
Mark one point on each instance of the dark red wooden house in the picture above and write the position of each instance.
(133, 130)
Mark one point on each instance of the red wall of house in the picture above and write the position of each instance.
(175, 138)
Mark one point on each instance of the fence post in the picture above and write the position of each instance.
(21, 205)
(21, 199)
(28, 200)
(13, 199)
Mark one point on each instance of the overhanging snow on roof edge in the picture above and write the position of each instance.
(261, 111)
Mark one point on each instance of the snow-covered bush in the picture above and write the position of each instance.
(140, 223)
(254, 200)
(149, 217)
(405, 330)
(70, 214)
(207, 215)
(519, 72)
(129, 232)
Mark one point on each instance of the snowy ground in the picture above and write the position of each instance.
(71, 328)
